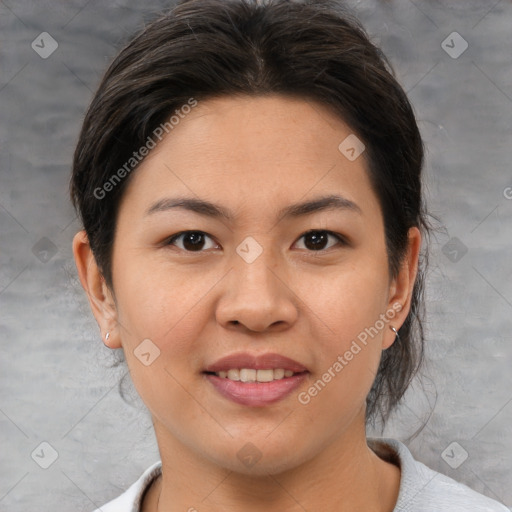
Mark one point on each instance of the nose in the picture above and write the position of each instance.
(257, 296)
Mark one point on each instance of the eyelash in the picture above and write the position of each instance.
(341, 240)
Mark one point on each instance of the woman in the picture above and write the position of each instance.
(249, 180)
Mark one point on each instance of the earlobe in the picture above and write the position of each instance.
(402, 287)
(99, 295)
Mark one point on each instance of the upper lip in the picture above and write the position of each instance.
(269, 360)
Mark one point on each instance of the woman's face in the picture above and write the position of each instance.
(254, 283)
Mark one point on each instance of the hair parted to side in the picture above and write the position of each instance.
(315, 50)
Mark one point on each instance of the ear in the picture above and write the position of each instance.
(100, 296)
(402, 286)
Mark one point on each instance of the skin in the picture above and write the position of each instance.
(254, 156)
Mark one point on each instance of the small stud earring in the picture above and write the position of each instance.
(107, 336)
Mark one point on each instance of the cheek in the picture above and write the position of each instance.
(348, 300)
(160, 303)
(347, 365)
(167, 309)
(349, 306)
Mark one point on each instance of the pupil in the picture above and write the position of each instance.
(317, 239)
(196, 241)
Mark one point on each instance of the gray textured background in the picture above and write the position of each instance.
(57, 386)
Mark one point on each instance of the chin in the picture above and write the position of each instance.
(264, 467)
(248, 459)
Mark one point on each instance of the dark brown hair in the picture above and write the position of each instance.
(315, 50)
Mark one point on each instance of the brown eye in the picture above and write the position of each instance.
(196, 241)
(192, 241)
(317, 240)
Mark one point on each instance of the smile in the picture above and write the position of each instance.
(248, 391)
(251, 375)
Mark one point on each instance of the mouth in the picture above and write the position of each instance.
(255, 393)
(255, 380)
(253, 375)
(245, 363)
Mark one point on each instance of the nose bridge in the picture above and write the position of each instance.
(257, 295)
(255, 263)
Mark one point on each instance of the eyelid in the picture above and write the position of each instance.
(340, 238)
(170, 240)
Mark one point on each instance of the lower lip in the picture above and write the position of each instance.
(256, 394)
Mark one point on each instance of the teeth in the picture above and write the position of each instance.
(233, 374)
(250, 375)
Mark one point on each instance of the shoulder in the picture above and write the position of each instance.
(425, 490)
(130, 500)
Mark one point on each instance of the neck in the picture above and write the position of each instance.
(347, 475)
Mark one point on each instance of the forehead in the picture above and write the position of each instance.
(255, 151)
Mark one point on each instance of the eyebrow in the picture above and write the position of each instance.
(210, 209)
